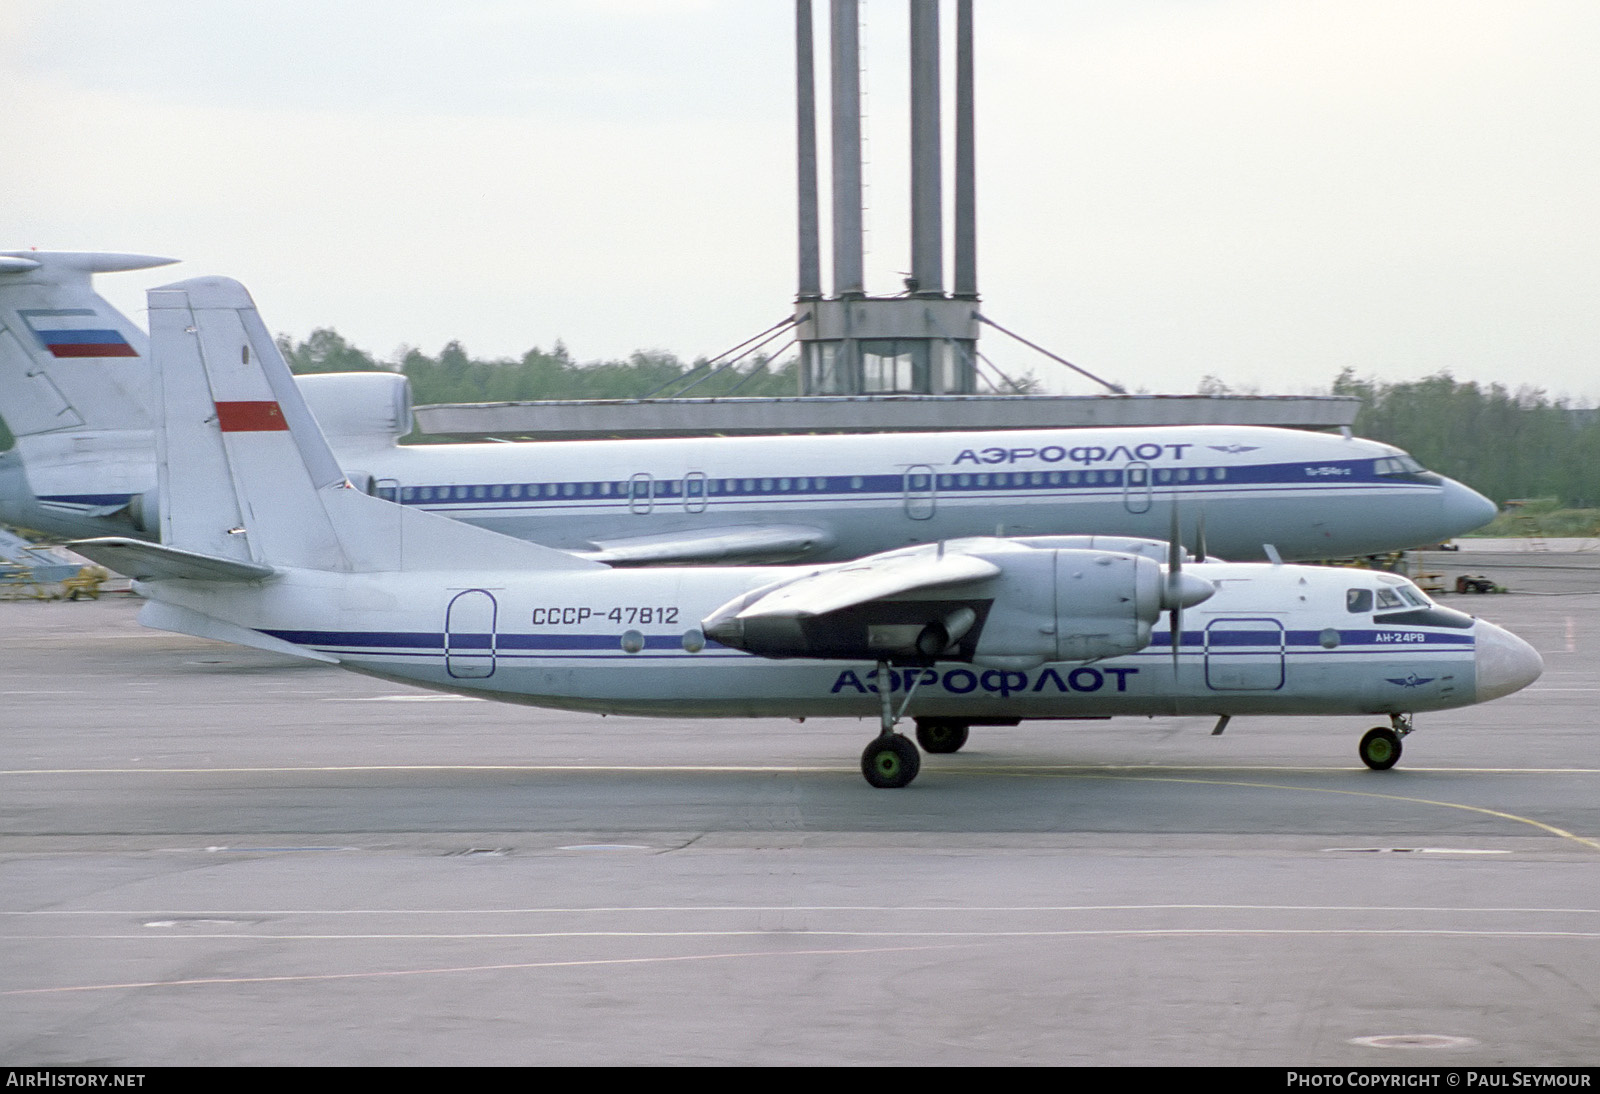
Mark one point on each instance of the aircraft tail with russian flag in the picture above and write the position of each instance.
(74, 392)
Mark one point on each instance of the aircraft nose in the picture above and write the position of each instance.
(1464, 508)
(1503, 662)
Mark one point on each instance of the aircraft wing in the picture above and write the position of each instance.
(730, 544)
(870, 579)
(152, 562)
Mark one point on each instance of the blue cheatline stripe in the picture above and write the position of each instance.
(434, 640)
(87, 499)
(1270, 640)
(394, 639)
(669, 491)
(1296, 641)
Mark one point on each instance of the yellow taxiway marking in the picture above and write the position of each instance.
(1124, 774)
(314, 977)
(1550, 828)
(956, 939)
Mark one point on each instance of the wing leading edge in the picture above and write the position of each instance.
(730, 545)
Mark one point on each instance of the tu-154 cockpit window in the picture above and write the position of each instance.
(1402, 464)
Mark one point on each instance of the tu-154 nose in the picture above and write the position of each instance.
(1463, 507)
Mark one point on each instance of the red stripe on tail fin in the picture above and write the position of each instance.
(254, 417)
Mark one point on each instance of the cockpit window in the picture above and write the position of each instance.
(1394, 594)
(1398, 465)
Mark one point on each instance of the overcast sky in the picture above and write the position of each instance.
(1263, 190)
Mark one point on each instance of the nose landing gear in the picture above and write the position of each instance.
(1380, 746)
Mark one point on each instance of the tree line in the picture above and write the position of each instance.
(454, 377)
(1506, 444)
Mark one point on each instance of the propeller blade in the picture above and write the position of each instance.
(1174, 543)
(1174, 576)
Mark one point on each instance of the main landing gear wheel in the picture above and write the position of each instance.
(890, 761)
(937, 735)
(1380, 748)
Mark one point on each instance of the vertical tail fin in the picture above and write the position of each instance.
(224, 424)
(246, 474)
(68, 359)
(75, 394)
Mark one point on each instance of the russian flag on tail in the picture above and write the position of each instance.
(75, 332)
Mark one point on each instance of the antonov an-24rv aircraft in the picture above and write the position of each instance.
(265, 543)
(74, 388)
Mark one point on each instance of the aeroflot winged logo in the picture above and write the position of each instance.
(75, 332)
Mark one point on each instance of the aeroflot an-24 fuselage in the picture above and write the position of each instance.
(1281, 640)
(266, 544)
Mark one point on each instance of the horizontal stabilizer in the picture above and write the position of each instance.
(83, 262)
(870, 579)
(152, 562)
(738, 544)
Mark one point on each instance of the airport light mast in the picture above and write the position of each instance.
(923, 341)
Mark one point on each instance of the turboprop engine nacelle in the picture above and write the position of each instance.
(1035, 606)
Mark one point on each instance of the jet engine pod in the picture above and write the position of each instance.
(145, 512)
(359, 407)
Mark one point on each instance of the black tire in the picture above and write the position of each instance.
(1380, 748)
(936, 735)
(890, 761)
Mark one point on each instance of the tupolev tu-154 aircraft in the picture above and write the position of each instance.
(74, 388)
(265, 543)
